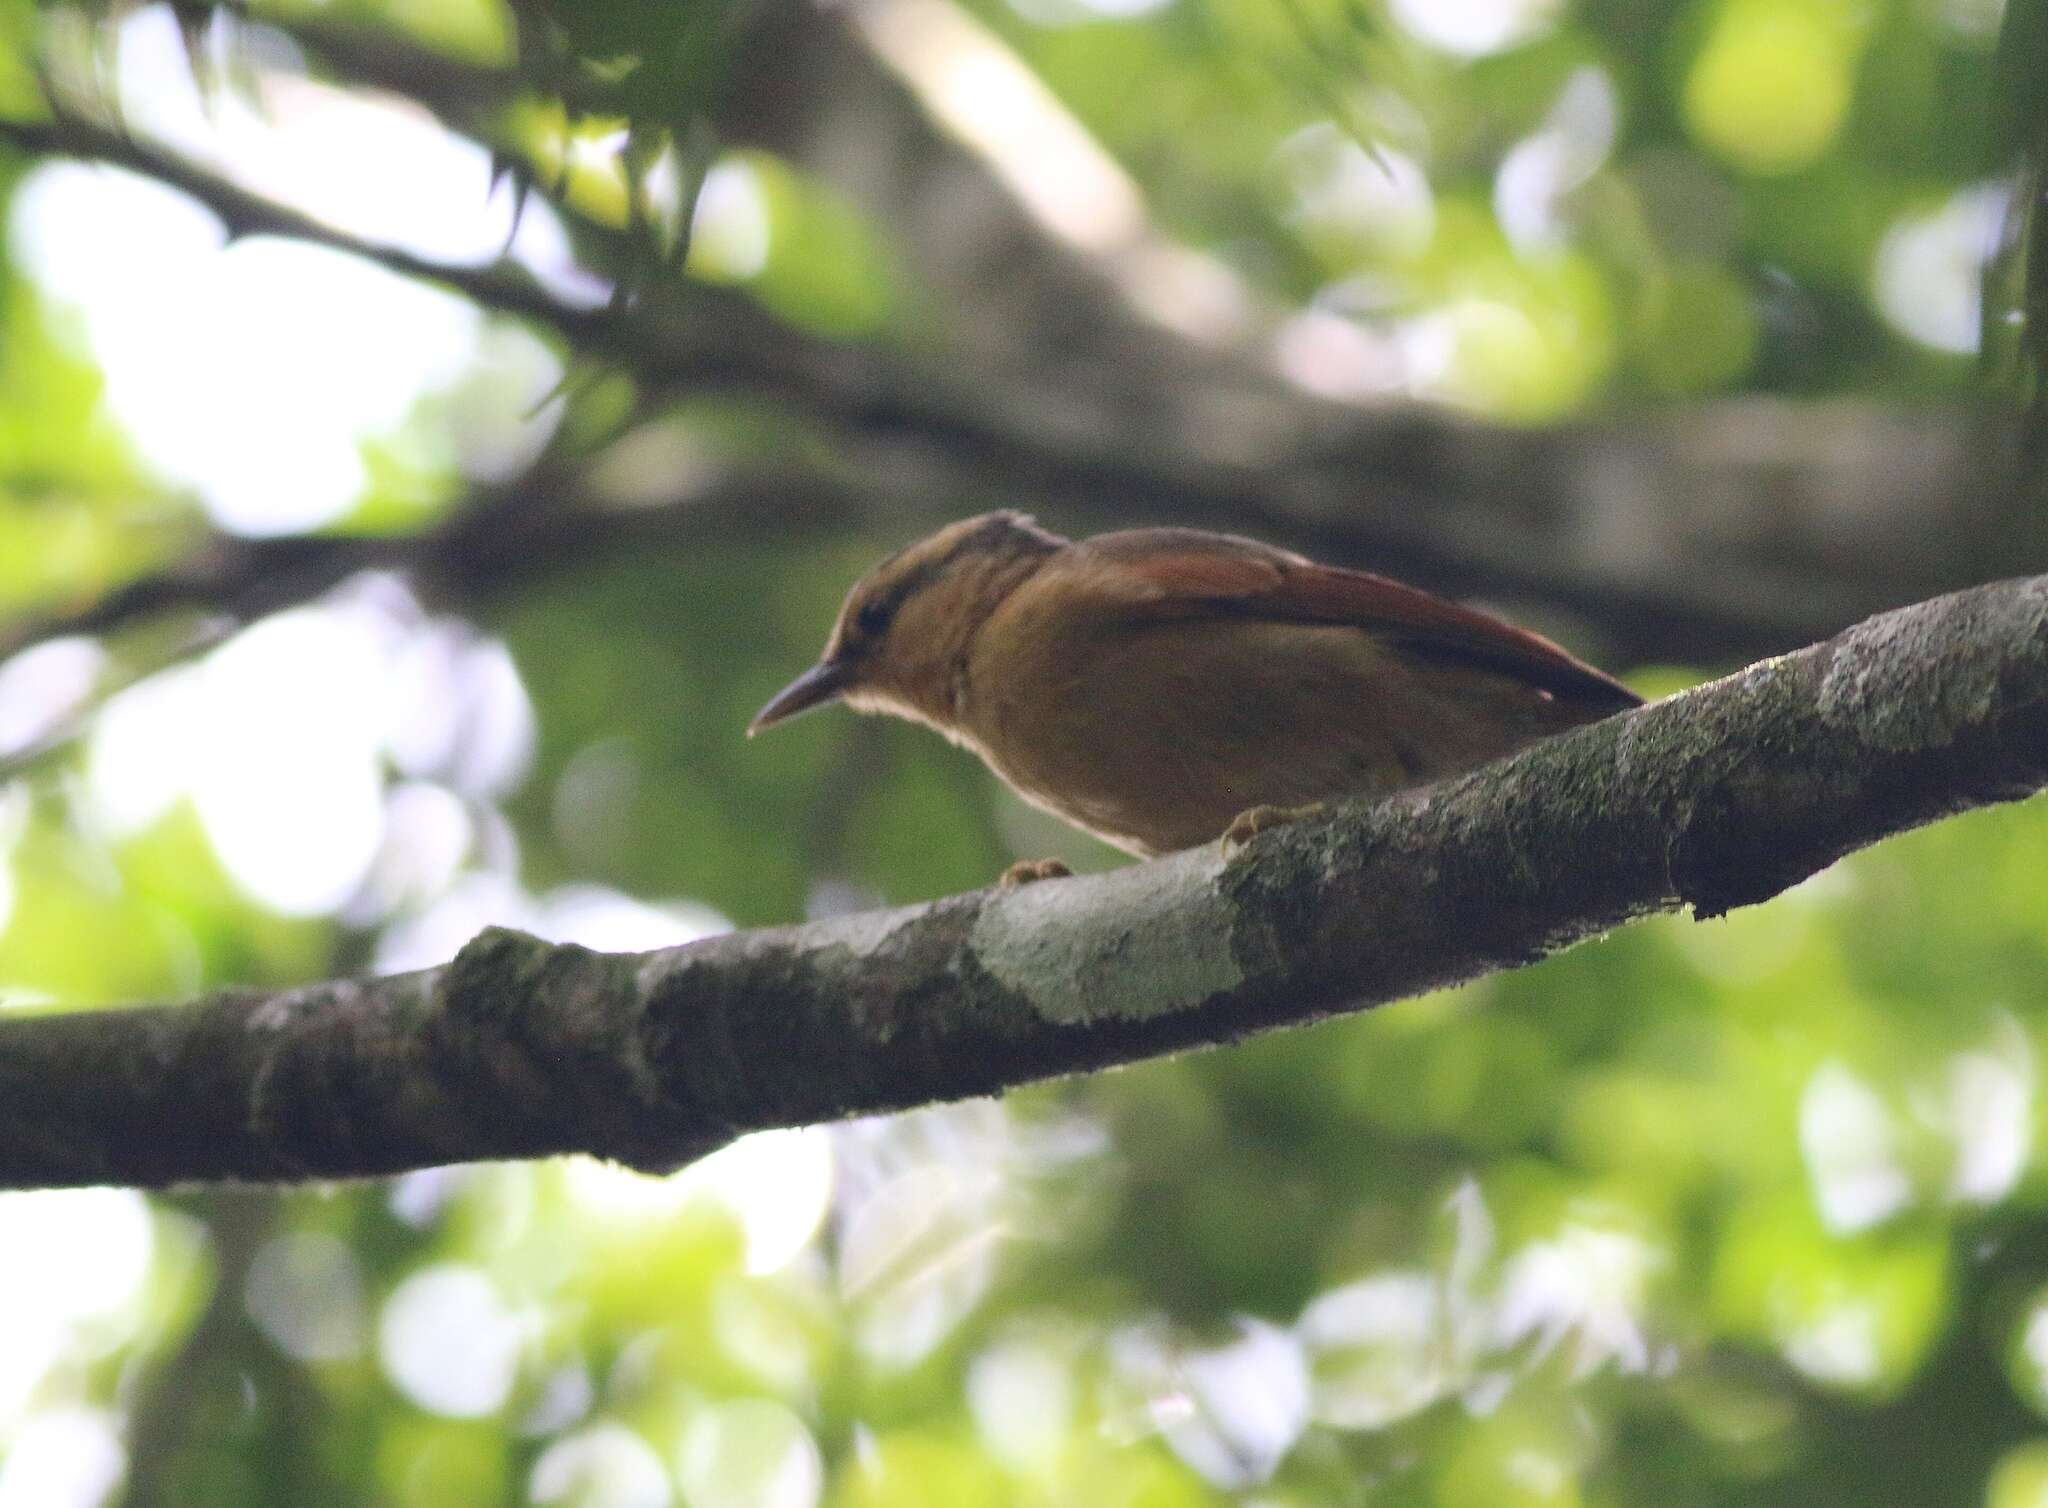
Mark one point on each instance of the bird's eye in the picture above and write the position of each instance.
(872, 619)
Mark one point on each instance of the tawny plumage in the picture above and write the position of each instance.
(1151, 686)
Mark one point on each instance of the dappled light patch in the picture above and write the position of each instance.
(304, 1290)
(1021, 1393)
(605, 1465)
(1771, 84)
(749, 1454)
(1378, 1349)
(1987, 1107)
(280, 740)
(1845, 1133)
(448, 1341)
(1930, 265)
(1472, 28)
(63, 1458)
(74, 1269)
(777, 1184)
(1231, 1412)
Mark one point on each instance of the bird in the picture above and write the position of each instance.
(1162, 688)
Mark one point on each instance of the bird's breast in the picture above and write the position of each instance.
(1154, 738)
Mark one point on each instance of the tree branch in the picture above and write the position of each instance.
(1716, 798)
(1725, 531)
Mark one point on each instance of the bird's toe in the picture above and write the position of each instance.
(1031, 871)
(1248, 824)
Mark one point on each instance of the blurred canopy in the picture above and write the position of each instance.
(429, 428)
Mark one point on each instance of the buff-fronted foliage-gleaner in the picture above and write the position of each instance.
(1164, 687)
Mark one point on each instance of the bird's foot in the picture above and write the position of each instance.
(1031, 871)
(1248, 824)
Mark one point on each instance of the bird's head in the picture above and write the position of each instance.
(903, 633)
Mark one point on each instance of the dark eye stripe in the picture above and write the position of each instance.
(1002, 532)
(877, 613)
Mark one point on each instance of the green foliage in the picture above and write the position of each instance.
(826, 267)
(17, 83)
(1749, 1211)
(76, 516)
(2018, 298)
(1748, 139)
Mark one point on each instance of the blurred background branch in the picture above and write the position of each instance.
(1716, 534)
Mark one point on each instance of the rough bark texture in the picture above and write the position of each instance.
(1716, 798)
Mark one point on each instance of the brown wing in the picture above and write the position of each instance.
(1188, 569)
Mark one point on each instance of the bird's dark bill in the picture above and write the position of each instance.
(815, 687)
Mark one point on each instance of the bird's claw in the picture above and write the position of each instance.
(1031, 871)
(1248, 824)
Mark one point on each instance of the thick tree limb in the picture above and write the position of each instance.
(1716, 798)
